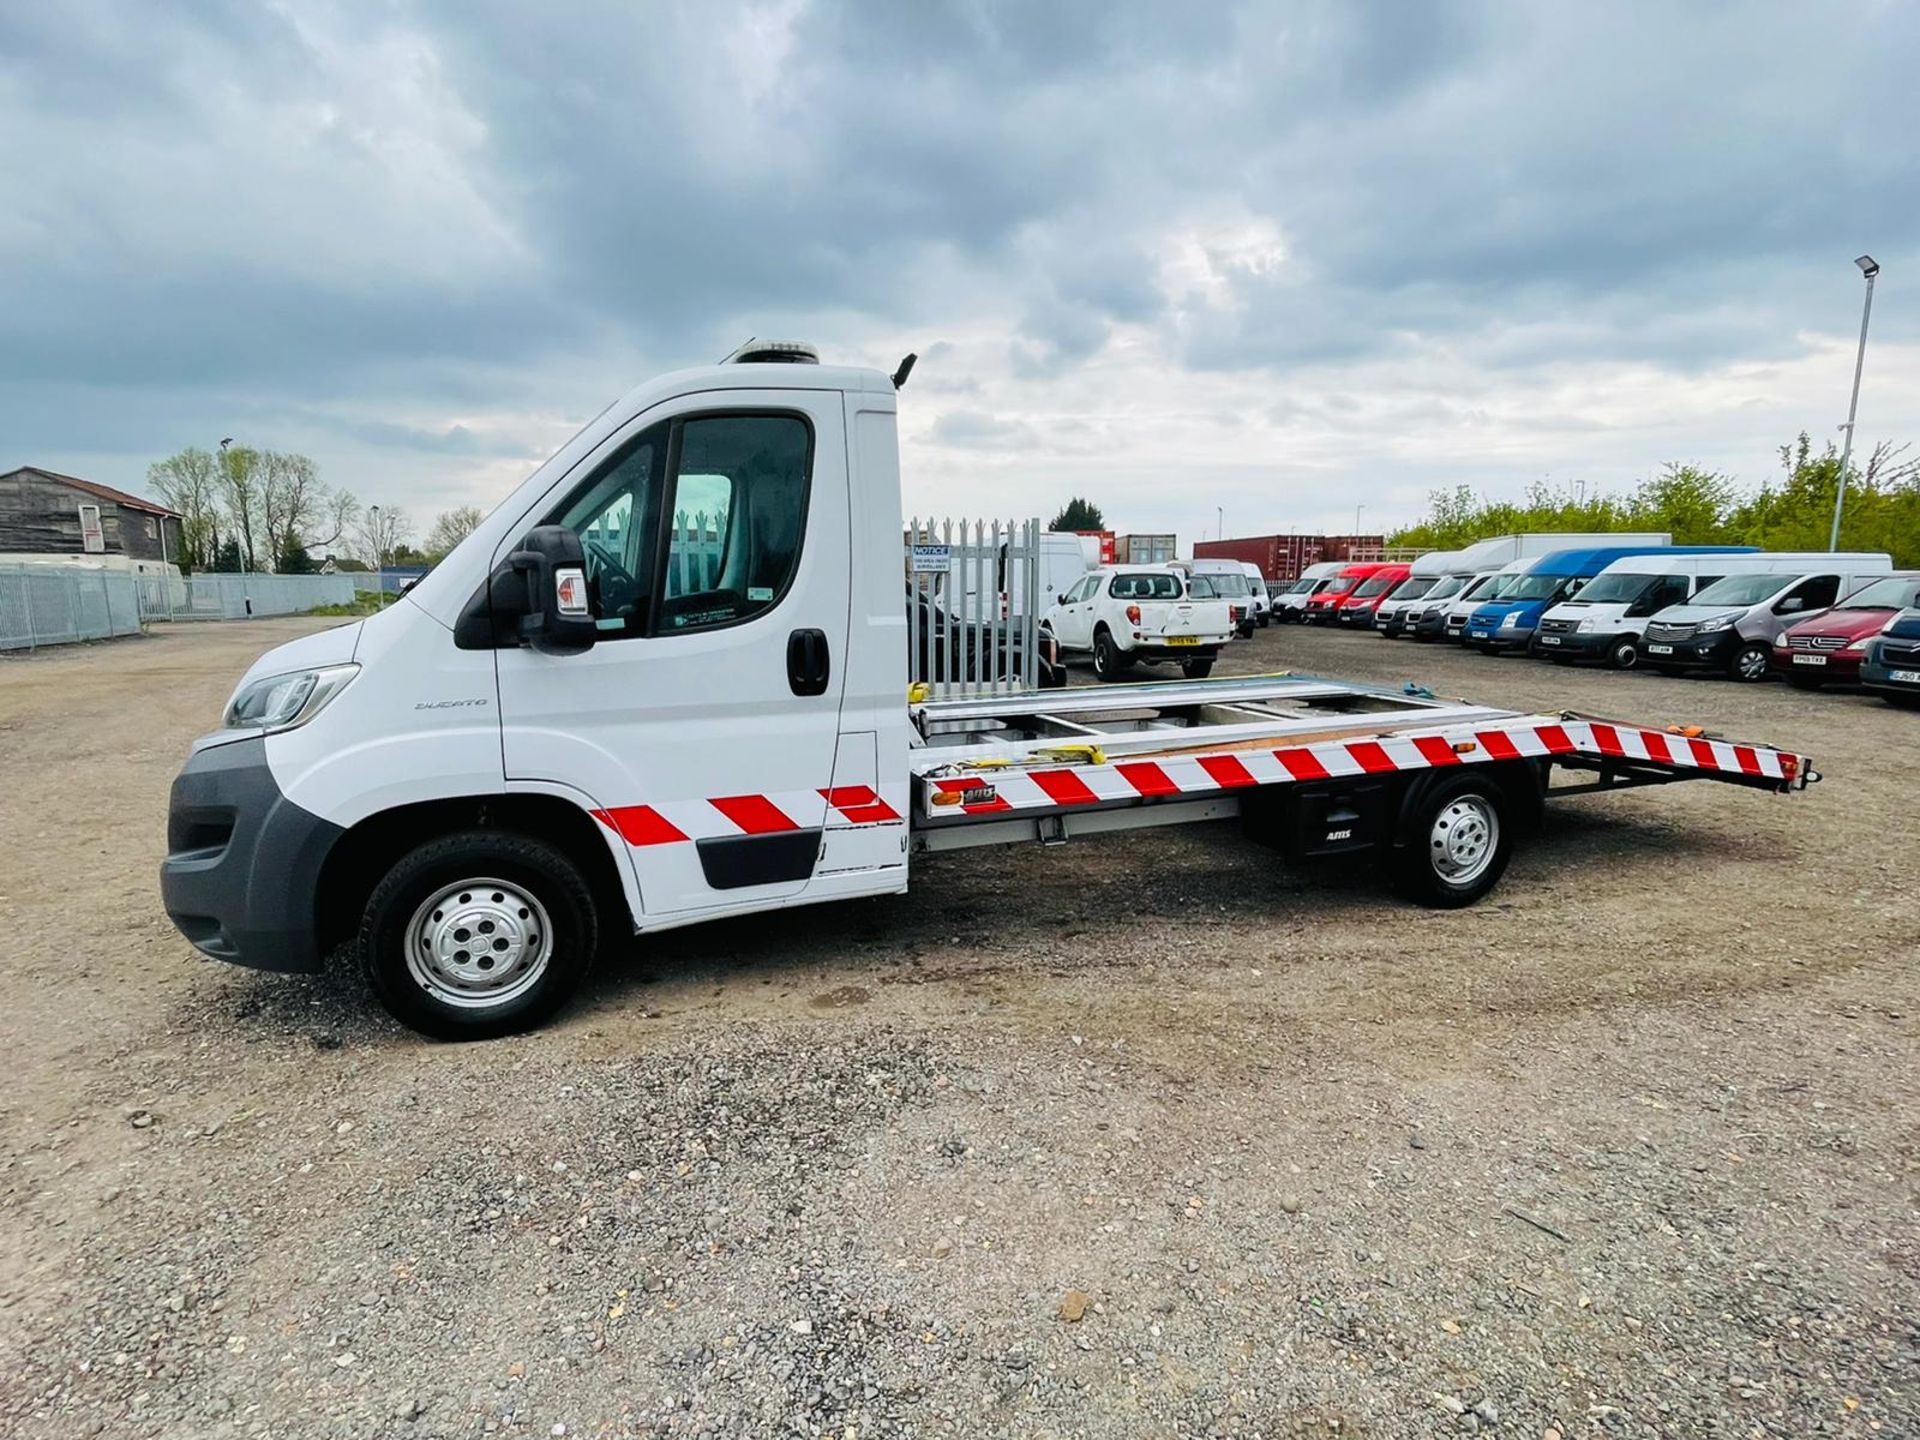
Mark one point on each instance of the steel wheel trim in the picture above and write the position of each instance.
(479, 943)
(1751, 663)
(1463, 839)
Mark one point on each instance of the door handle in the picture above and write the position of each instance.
(809, 664)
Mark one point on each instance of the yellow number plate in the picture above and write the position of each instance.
(1183, 639)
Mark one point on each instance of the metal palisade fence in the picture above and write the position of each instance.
(973, 606)
(61, 604)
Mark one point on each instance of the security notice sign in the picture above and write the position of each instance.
(930, 558)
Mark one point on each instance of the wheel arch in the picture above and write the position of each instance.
(364, 852)
(1523, 784)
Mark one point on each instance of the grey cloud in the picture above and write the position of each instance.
(475, 203)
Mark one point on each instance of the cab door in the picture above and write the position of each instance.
(701, 726)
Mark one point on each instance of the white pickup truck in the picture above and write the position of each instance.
(1123, 615)
(666, 681)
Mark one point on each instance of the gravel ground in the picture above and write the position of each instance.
(1135, 1137)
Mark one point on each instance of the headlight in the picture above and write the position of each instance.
(281, 702)
(1513, 619)
(1585, 627)
(1713, 627)
(1861, 643)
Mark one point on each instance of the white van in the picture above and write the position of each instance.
(1606, 619)
(1426, 573)
(1730, 625)
(1228, 580)
(1262, 601)
(1291, 603)
(1486, 588)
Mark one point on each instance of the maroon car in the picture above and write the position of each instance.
(1827, 649)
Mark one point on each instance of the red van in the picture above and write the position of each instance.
(1324, 603)
(1827, 649)
(1357, 607)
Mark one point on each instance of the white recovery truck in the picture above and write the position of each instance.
(666, 681)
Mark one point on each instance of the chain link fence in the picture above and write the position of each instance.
(59, 605)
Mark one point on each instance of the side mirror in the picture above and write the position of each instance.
(1060, 599)
(557, 619)
(1791, 604)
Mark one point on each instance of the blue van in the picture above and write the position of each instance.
(1508, 623)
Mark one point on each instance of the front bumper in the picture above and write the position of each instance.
(1836, 667)
(1499, 637)
(1703, 652)
(1572, 645)
(243, 862)
(1877, 674)
(1354, 617)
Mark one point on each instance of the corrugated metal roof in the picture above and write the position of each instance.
(93, 487)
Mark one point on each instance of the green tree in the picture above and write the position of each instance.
(293, 558)
(189, 482)
(1079, 514)
(450, 527)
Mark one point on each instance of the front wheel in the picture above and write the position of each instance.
(1749, 663)
(1624, 653)
(1458, 845)
(478, 934)
(1196, 669)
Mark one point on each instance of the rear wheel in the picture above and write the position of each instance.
(478, 934)
(1458, 844)
(1749, 663)
(1108, 662)
(1196, 669)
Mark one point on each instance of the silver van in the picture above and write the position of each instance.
(1730, 625)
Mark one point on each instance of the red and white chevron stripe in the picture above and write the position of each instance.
(1001, 789)
(675, 821)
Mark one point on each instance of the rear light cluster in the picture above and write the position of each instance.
(1133, 614)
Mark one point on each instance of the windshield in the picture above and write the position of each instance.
(1741, 589)
(1413, 588)
(1145, 586)
(1375, 586)
(1896, 592)
(1536, 587)
(1305, 585)
(1619, 589)
(1449, 585)
(1340, 584)
(1485, 588)
(1225, 583)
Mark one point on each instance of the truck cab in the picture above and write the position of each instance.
(725, 538)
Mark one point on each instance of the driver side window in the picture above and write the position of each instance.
(1816, 592)
(733, 515)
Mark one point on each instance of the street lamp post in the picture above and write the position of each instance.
(1356, 520)
(246, 600)
(1220, 517)
(1870, 268)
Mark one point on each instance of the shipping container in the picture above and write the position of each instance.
(1145, 549)
(1283, 557)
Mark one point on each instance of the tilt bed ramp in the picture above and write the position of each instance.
(1315, 767)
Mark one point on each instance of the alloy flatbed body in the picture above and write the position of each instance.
(1056, 763)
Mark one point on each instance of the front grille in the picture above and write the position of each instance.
(1669, 634)
(1815, 642)
(1456, 622)
(1892, 654)
(1559, 627)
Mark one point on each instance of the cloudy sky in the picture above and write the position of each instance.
(1275, 259)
